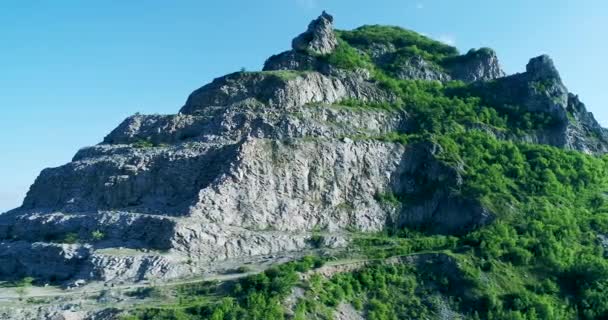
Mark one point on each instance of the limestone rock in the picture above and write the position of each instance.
(292, 60)
(62, 311)
(548, 93)
(54, 262)
(283, 89)
(476, 65)
(583, 132)
(157, 129)
(542, 68)
(308, 49)
(319, 38)
(416, 68)
(540, 90)
(266, 197)
(431, 185)
(345, 311)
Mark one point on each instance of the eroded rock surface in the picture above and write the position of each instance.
(541, 90)
(476, 65)
(319, 38)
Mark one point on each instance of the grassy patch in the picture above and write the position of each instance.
(285, 75)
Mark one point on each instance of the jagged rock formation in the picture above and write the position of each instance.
(307, 48)
(541, 90)
(283, 90)
(256, 161)
(319, 38)
(476, 65)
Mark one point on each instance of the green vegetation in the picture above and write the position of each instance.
(382, 291)
(147, 143)
(357, 47)
(347, 57)
(285, 74)
(97, 235)
(25, 282)
(71, 238)
(23, 285)
(254, 297)
(436, 107)
(389, 198)
(540, 259)
(409, 42)
(147, 292)
(493, 94)
(143, 144)
(552, 206)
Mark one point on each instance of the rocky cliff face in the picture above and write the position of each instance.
(255, 162)
(476, 65)
(541, 90)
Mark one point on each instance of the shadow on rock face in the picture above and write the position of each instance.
(428, 189)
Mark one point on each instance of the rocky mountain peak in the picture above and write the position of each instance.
(542, 68)
(401, 53)
(319, 38)
(476, 65)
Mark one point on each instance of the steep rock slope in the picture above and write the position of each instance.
(256, 162)
(540, 89)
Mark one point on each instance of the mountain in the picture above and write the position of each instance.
(402, 179)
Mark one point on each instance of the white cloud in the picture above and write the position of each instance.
(447, 39)
(307, 4)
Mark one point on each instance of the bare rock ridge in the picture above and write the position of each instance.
(540, 89)
(255, 162)
(283, 90)
(310, 48)
(476, 65)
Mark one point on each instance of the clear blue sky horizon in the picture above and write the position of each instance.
(71, 71)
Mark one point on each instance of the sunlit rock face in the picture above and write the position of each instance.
(319, 38)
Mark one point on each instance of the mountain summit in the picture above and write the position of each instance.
(377, 138)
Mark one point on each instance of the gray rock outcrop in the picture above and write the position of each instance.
(540, 90)
(293, 60)
(476, 65)
(319, 38)
(416, 68)
(227, 178)
(310, 49)
(284, 90)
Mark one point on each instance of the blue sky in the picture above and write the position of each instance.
(70, 71)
